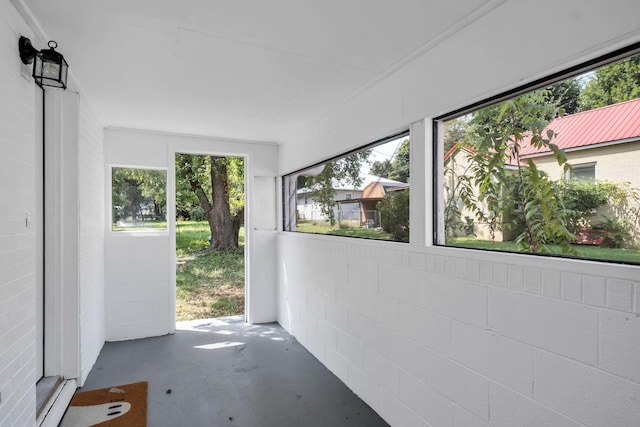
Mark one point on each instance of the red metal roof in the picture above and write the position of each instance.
(616, 122)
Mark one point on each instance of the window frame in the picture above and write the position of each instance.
(289, 212)
(438, 146)
(109, 216)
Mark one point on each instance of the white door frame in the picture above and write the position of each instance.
(61, 296)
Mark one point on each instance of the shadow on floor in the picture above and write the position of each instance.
(224, 372)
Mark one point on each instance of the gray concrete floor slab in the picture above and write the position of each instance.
(224, 372)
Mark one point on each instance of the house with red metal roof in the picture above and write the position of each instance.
(601, 144)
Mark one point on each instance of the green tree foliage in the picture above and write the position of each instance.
(394, 215)
(497, 134)
(566, 95)
(611, 84)
(454, 131)
(397, 168)
(345, 170)
(138, 194)
(381, 168)
(217, 183)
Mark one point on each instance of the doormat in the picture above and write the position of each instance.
(120, 406)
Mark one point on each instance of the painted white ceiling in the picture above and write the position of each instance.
(244, 69)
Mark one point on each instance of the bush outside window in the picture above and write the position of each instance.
(138, 199)
(363, 194)
(520, 175)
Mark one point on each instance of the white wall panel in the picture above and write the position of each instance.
(476, 346)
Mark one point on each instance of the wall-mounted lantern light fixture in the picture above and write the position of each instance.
(49, 68)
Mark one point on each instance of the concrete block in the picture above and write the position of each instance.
(337, 315)
(337, 364)
(381, 370)
(350, 295)
(551, 284)
(461, 385)
(438, 264)
(315, 345)
(316, 304)
(382, 309)
(594, 291)
(402, 283)
(361, 328)
(363, 273)
(327, 333)
(473, 270)
(532, 281)
(500, 275)
(432, 406)
(397, 413)
(571, 287)
(516, 277)
(364, 387)
(510, 409)
(553, 325)
(586, 394)
(504, 360)
(427, 328)
(350, 349)
(461, 268)
(620, 295)
(457, 299)
(486, 273)
(326, 289)
(620, 344)
(462, 418)
(418, 261)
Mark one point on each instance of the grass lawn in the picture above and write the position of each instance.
(209, 283)
(587, 252)
(322, 227)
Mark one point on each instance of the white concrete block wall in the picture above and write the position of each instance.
(446, 337)
(137, 287)
(17, 242)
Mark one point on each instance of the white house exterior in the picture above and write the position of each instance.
(426, 335)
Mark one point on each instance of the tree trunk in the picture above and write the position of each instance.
(221, 223)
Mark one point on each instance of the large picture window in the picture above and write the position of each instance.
(138, 199)
(364, 194)
(520, 174)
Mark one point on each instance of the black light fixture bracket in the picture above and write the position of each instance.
(26, 49)
(50, 67)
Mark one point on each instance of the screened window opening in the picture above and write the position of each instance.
(138, 199)
(520, 175)
(363, 194)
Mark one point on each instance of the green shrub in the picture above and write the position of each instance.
(394, 215)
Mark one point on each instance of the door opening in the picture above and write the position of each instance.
(210, 238)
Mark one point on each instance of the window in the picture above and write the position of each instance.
(364, 193)
(138, 199)
(582, 172)
(519, 173)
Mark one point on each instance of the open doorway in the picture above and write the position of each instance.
(210, 243)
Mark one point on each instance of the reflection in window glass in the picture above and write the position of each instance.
(361, 194)
(521, 175)
(138, 199)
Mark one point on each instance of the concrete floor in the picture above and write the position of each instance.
(223, 372)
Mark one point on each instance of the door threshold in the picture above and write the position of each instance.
(45, 389)
(55, 405)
